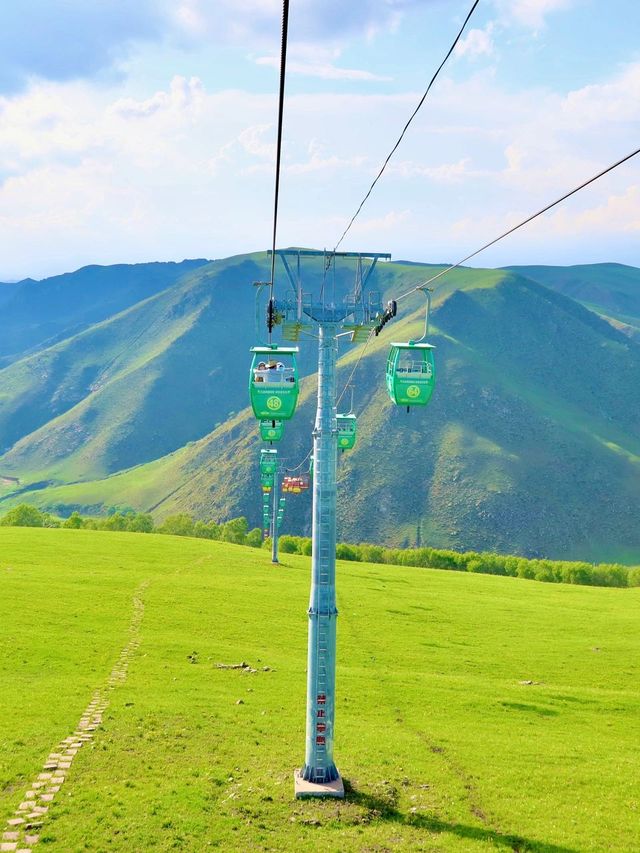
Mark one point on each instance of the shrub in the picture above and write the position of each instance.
(23, 515)
(288, 545)
(178, 525)
(345, 552)
(117, 521)
(140, 523)
(254, 538)
(74, 522)
(371, 553)
(235, 530)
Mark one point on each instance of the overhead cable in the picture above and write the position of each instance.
(283, 66)
(411, 118)
(521, 224)
(355, 367)
(300, 464)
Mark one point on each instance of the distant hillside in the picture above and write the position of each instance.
(531, 443)
(612, 290)
(137, 385)
(37, 313)
(6, 291)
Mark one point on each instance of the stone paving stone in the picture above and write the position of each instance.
(64, 765)
(10, 836)
(31, 839)
(46, 798)
(28, 804)
(38, 784)
(57, 780)
(54, 789)
(8, 845)
(24, 850)
(39, 810)
(15, 821)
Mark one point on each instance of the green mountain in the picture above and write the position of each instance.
(531, 443)
(611, 290)
(6, 291)
(37, 313)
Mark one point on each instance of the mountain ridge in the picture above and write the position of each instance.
(530, 447)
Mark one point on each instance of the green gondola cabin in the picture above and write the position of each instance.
(271, 430)
(347, 429)
(273, 383)
(268, 462)
(411, 373)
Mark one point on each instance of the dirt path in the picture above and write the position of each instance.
(23, 830)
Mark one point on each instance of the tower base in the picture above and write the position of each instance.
(304, 789)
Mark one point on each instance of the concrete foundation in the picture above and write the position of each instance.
(304, 789)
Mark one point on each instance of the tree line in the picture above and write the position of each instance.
(236, 531)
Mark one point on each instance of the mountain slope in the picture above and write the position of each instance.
(35, 313)
(135, 386)
(531, 443)
(612, 290)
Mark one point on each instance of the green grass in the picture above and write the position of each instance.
(442, 747)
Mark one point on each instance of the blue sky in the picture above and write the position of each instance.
(135, 132)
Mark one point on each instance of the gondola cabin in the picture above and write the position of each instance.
(273, 382)
(411, 374)
(296, 485)
(271, 430)
(268, 462)
(347, 428)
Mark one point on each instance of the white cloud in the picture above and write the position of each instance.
(325, 71)
(477, 43)
(531, 13)
(318, 161)
(618, 100)
(444, 173)
(62, 40)
(182, 92)
(88, 176)
(617, 214)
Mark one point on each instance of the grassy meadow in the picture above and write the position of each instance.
(474, 712)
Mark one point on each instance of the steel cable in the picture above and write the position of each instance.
(411, 118)
(283, 66)
(521, 224)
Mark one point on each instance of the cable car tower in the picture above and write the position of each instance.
(355, 315)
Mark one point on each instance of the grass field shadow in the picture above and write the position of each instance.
(384, 809)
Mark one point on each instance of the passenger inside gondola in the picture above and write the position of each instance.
(274, 372)
(416, 367)
(260, 372)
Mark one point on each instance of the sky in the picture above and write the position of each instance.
(146, 131)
